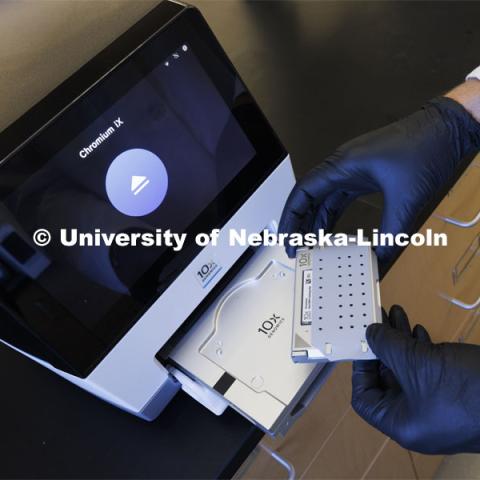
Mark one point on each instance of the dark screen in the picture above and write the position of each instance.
(182, 108)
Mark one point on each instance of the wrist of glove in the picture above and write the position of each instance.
(425, 396)
(463, 129)
(409, 161)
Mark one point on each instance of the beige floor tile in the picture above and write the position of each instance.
(314, 428)
(310, 432)
(393, 462)
(426, 465)
(261, 466)
(349, 452)
(459, 467)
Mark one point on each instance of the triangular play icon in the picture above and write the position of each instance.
(137, 180)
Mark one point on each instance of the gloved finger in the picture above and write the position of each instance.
(308, 193)
(398, 319)
(369, 398)
(388, 379)
(331, 210)
(365, 373)
(381, 409)
(322, 218)
(392, 347)
(421, 334)
(365, 376)
(302, 227)
(306, 196)
(372, 374)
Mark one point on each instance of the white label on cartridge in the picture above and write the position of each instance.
(307, 298)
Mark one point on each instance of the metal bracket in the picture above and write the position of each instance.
(288, 466)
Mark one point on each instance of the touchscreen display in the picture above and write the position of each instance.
(160, 155)
(155, 159)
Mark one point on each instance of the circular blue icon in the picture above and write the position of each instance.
(136, 182)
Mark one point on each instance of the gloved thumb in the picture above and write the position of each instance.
(391, 346)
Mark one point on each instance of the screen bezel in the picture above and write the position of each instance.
(188, 27)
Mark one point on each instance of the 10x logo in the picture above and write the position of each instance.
(207, 272)
(270, 326)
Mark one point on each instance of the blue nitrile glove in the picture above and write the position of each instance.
(408, 161)
(424, 396)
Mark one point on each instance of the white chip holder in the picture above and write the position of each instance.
(337, 296)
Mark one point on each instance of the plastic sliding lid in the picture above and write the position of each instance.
(345, 300)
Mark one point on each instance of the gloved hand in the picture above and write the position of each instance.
(408, 161)
(424, 396)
